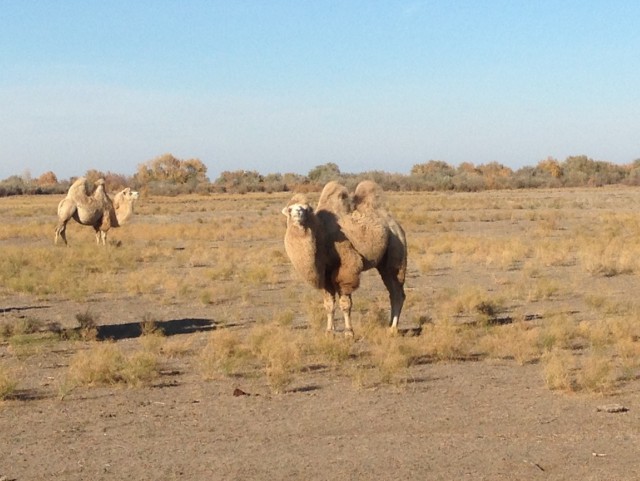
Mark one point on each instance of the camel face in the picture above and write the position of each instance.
(130, 194)
(298, 213)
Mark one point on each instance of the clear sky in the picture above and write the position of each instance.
(285, 85)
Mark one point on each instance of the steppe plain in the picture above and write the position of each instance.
(188, 349)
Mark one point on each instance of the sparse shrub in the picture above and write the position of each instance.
(393, 357)
(223, 354)
(558, 331)
(177, 346)
(88, 325)
(333, 350)
(444, 340)
(558, 366)
(596, 373)
(140, 368)
(105, 363)
(280, 351)
(284, 318)
(8, 383)
(518, 341)
(628, 352)
(149, 326)
(100, 364)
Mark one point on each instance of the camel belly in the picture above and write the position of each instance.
(87, 217)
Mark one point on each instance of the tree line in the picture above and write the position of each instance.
(168, 175)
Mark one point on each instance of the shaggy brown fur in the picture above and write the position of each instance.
(303, 241)
(344, 237)
(96, 210)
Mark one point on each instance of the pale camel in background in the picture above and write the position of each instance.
(96, 210)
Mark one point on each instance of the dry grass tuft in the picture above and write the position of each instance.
(518, 341)
(106, 364)
(224, 354)
(445, 340)
(280, 350)
(558, 368)
(392, 358)
(596, 373)
(8, 382)
(88, 325)
(331, 350)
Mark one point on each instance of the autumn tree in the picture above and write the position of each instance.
(322, 174)
(550, 166)
(168, 172)
(496, 175)
(47, 179)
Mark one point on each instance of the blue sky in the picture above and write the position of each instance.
(283, 86)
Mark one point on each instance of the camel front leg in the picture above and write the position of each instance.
(345, 307)
(101, 237)
(329, 303)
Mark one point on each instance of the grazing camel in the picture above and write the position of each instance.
(96, 210)
(344, 236)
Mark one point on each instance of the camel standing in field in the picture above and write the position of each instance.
(96, 210)
(344, 236)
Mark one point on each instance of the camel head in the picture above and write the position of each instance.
(298, 210)
(123, 203)
(125, 196)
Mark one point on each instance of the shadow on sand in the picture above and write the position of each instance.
(172, 327)
(4, 310)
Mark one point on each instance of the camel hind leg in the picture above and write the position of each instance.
(66, 211)
(394, 282)
(393, 269)
(61, 233)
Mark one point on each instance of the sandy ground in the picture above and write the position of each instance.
(454, 420)
(477, 420)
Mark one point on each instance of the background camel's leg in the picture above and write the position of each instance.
(97, 236)
(396, 295)
(61, 231)
(329, 302)
(345, 307)
(103, 237)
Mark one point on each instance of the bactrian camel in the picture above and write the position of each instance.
(96, 210)
(344, 236)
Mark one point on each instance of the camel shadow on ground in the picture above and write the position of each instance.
(5, 310)
(171, 327)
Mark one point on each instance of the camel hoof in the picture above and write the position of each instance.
(329, 332)
(393, 330)
(348, 333)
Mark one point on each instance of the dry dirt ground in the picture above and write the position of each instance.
(487, 419)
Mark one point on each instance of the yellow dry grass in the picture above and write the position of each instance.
(542, 277)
